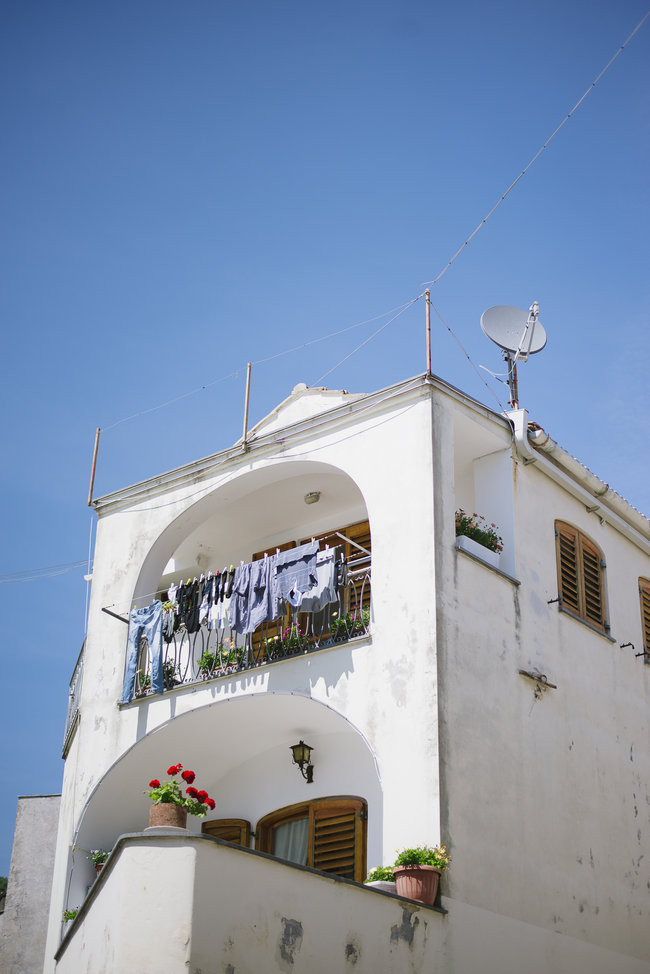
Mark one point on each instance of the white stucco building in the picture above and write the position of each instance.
(495, 702)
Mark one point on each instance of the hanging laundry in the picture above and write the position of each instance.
(144, 622)
(324, 591)
(296, 572)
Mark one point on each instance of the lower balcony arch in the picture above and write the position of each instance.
(240, 749)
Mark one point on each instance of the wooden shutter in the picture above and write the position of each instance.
(236, 830)
(593, 583)
(337, 834)
(644, 595)
(580, 574)
(567, 565)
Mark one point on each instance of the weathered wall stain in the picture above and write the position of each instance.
(406, 929)
(289, 943)
(352, 953)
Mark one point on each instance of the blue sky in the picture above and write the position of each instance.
(188, 187)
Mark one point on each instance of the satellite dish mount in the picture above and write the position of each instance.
(518, 334)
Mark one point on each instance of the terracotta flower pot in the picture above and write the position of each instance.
(167, 815)
(98, 867)
(417, 882)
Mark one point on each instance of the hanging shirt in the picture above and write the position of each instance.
(238, 614)
(296, 572)
(263, 604)
(324, 591)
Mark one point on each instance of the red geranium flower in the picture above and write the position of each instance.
(192, 792)
(154, 783)
(175, 768)
(202, 795)
(210, 803)
(188, 776)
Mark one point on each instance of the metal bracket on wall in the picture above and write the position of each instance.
(541, 681)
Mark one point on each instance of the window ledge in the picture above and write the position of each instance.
(483, 561)
(585, 622)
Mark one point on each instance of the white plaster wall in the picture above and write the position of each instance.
(527, 793)
(213, 908)
(141, 919)
(546, 802)
(389, 692)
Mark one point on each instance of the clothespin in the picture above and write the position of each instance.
(232, 567)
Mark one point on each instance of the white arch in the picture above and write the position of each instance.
(252, 510)
(240, 750)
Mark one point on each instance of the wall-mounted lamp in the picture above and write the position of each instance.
(301, 757)
(312, 497)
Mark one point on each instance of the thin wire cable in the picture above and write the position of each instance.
(467, 356)
(241, 371)
(333, 334)
(369, 339)
(539, 151)
(168, 402)
(34, 574)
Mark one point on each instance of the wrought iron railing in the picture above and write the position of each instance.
(72, 717)
(210, 653)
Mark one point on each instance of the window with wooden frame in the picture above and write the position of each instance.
(236, 830)
(644, 597)
(581, 575)
(327, 834)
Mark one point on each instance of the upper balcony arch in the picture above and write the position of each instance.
(252, 511)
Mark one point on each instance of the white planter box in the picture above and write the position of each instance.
(478, 550)
(383, 884)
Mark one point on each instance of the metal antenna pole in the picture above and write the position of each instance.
(246, 399)
(427, 295)
(512, 379)
(92, 472)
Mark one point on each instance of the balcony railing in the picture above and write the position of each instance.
(210, 653)
(73, 701)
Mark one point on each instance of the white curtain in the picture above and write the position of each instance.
(290, 841)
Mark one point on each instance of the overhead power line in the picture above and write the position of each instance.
(539, 152)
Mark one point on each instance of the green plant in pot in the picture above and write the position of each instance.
(206, 664)
(418, 870)
(169, 674)
(476, 527)
(172, 805)
(380, 874)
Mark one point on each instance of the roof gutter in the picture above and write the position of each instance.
(534, 445)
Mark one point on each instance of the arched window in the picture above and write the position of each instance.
(328, 834)
(580, 573)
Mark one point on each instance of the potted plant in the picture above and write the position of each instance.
(418, 870)
(206, 664)
(169, 674)
(478, 537)
(171, 806)
(99, 857)
(381, 877)
(143, 683)
(347, 626)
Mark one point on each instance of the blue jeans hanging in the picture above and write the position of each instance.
(144, 622)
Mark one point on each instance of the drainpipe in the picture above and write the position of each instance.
(533, 445)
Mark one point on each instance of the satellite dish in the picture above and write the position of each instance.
(514, 330)
(519, 333)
